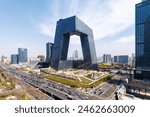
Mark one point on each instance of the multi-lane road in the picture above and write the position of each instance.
(107, 90)
(54, 89)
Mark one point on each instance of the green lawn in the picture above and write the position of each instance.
(103, 79)
(72, 83)
(85, 80)
(76, 83)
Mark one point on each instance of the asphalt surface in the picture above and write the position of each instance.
(107, 89)
(50, 87)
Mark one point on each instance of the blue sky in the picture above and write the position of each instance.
(31, 24)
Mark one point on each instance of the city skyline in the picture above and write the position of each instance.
(31, 24)
(120, 31)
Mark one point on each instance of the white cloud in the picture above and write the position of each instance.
(46, 29)
(110, 18)
(126, 40)
(104, 17)
(121, 46)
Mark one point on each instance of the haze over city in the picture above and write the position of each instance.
(35, 64)
(31, 24)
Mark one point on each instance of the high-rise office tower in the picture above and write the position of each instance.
(115, 59)
(106, 58)
(14, 59)
(49, 48)
(132, 61)
(142, 53)
(75, 55)
(23, 57)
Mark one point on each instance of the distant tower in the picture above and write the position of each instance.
(133, 60)
(23, 57)
(121, 59)
(14, 59)
(49, 48)
(106, 58)
(3, 58)
(75, 55)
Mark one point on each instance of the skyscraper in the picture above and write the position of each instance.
(23, 57)
(49, 48)
(106, 58)
(115, 59)
(75, 55)
(142, 53)
(14, 59)
(66, 28)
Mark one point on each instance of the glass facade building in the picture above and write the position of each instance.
(22, 52)
(14, 59)
(143, 40)
(49, 48)
(106, 58)
(66, 28)
(122, 59)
